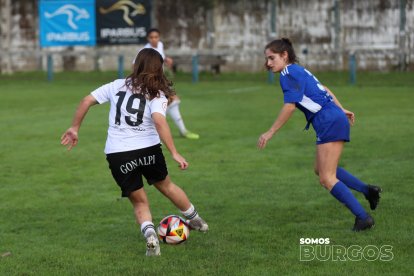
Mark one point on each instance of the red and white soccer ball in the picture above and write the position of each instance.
(173, 230)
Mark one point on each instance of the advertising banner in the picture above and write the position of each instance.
(67, 22)
(122, 21)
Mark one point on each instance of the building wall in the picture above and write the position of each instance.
(324, 33)
(323, 38)
(18, 33)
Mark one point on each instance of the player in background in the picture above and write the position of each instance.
(331, 123)
(136, 124)
(153, 37)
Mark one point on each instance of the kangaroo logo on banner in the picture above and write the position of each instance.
(129, 9)
(67, 22)
(122, 21)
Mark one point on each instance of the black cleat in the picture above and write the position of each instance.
(373, 196)
(363, 224)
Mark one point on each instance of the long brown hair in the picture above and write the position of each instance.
(148, 76)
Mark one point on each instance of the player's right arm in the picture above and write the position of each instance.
(284, 115)
(164, 132)
(349, 114)
(70, 137)
(293, 91)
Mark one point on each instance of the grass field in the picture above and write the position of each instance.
(60, 212)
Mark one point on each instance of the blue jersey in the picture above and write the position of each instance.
(303, 89)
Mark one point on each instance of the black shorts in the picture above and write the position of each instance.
(128, 167)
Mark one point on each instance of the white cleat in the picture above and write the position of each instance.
(153, 246)
(198, 224)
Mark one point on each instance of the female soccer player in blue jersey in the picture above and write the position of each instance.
(331, 123)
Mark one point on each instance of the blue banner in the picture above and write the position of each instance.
(67, 22)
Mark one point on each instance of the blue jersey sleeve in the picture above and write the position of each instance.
(293, 88)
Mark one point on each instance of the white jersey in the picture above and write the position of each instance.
(130, 123)
(159, 48)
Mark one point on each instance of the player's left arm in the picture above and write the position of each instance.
(164, 132)
(349, 114)
(70, 137)
(284, 115)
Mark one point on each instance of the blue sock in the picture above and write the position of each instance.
(351, 181)
(341, 192)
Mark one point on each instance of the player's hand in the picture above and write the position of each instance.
(351, 116)
(263, 139)
(69, 138)
(169, 62)
(183, 164)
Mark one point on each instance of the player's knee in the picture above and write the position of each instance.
(171, 188)
(139, 205)
(165, 186)
(326, 180)
(138, 198)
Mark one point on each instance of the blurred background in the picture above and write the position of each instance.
(59, 211)
(226, 35)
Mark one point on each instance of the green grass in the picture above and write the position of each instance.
(60, 212)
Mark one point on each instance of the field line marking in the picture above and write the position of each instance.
(243, 90)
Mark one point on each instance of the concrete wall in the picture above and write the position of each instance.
(18, 32)
(323, 38)
(324, 33)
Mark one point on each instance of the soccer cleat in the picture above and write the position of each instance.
(363, 224)
(373, 196)
(197, 224)
(153, 246)
(191, 135)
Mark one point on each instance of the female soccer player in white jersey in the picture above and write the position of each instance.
(153, 37)
(331, 123)
(136, 124)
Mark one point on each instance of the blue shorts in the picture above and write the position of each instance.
(331, 124)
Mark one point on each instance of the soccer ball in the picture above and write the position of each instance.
(173, 230)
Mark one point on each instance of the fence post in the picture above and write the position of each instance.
(337, 28)
(402, 36)
(270, 77)
(352, 68)
(49, 67)
(194, 63)
(97, 57)
(120, 66)
(273, 19)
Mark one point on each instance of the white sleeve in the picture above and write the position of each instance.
(159, 105)
(160, 48)
(101, 94)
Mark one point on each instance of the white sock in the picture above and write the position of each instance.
(191, 213)
(174, 111)
(148, 228)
